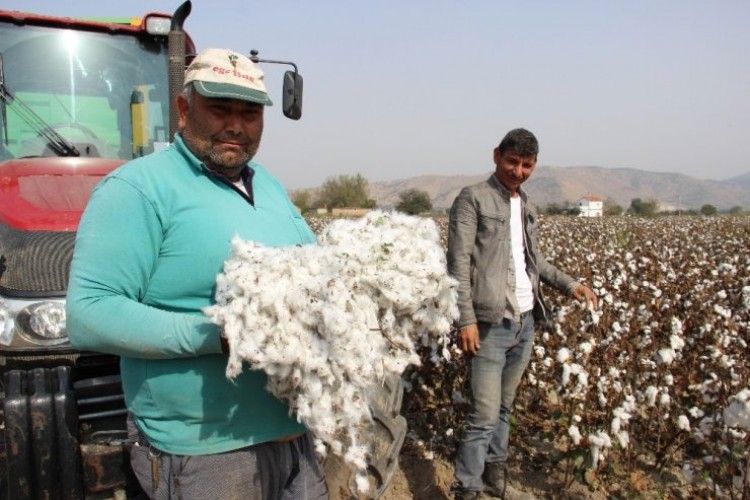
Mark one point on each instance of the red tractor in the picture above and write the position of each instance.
(78, 98)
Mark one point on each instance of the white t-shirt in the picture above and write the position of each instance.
(240, 185)
(524, 292)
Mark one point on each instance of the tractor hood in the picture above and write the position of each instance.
(41, 203)
(50, 193)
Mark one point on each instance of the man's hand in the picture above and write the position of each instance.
(468, 338)
(223, 340)
(585, 294)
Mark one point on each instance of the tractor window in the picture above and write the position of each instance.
(105, 94)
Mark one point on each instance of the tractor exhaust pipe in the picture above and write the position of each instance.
(176, 48)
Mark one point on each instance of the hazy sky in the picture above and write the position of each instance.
(399, 88)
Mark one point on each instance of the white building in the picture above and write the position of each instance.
(590, 206)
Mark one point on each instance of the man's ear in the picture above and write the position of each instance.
(496, 155)
(182, 108)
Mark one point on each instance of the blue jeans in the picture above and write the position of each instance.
(496, 372)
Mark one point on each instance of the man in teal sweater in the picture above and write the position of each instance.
(151, 242)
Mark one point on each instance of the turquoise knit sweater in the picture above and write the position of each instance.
(152, 239)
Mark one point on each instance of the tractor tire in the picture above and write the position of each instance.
(3, 464)
(385, 436)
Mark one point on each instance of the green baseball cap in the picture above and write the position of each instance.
(225, 74)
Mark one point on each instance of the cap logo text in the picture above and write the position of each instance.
(226, 71)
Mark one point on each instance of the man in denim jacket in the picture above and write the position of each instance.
(493, 251)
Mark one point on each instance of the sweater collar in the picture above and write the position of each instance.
(246, 175)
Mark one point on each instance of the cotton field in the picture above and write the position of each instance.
(657, 377)
(651, 388)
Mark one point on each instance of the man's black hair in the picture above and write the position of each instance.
(521, 141)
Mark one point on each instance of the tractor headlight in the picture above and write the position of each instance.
(43, 323)
(32, 324)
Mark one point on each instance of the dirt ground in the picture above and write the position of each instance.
(421, 479)
(428, 476)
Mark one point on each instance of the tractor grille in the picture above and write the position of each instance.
(34, 263)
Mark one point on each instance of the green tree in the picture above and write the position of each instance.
(708, 209)
(611, 207)
(302, 199)
(345, 191)
(735, 210)
(554, 209)
(414, 201)
(640, 207)
(564, 208)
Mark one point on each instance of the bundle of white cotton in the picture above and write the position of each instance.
(328, 322)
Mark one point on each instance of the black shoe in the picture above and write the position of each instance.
(497, 483)
(460, 494)
(466, 495)
(495, 478)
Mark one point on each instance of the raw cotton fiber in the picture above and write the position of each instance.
(329, 322)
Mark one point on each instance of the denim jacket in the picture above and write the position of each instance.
(479, 253)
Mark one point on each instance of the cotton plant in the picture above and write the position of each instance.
(667, 347)
(328, 323)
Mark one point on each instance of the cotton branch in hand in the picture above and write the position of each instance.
(329, 322)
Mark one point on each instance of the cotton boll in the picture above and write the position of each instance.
(665, 356)
(650, 395)
(563, 355)
(737, 413)
(565, 374)
(277, 370)
(664, 399)
(328, 322)
(575, 434)
(336, 446)
(320, 448)
(355, 455)
(597, 442)
(623, 437)
(313, 387)
(737, 434)
(615, 425)
(446, 354)
(586, 347)
(676, 342)
(683, 423)
(362, 482)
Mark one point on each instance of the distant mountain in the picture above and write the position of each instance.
(569, 184)
(740, 180)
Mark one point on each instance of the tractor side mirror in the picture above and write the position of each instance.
(292, 95)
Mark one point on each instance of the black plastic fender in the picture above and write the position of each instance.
(385, 436)
(41, 449)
